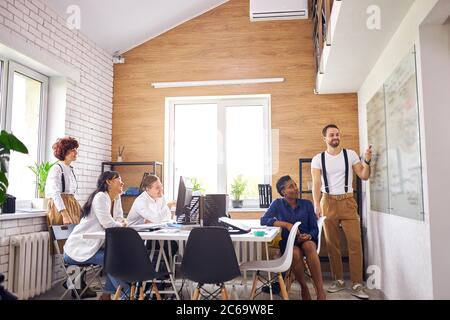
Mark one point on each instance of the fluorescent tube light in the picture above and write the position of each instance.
(158, 85)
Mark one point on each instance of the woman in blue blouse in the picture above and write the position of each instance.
(284, 213)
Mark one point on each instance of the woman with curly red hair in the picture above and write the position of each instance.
(62, 184)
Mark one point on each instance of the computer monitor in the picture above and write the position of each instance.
(184, 198)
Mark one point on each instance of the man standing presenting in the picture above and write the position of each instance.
(332, 173)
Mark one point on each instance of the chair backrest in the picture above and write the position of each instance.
(320, 226)
(62, 232)
(286, 258)
(126, 257)
(209, 256)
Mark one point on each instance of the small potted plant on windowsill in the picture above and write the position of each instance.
(41, 171)
(197, 189)
(237, 189)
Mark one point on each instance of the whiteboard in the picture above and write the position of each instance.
(393, 129)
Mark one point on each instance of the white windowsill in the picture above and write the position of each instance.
(22, 215)
(247, 209)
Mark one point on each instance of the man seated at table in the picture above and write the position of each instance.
(285, 212)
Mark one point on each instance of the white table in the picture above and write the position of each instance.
(182, 235)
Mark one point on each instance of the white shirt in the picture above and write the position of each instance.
(335, 166)
(147, 208)
(99, 219)
(53, 185)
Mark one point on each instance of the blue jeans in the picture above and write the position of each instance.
(98, 259)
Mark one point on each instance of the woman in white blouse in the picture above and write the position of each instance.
(150, 206)
(102, 210)
(61, 184)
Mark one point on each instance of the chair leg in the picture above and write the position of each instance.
(289, 280)
(117, 294)
(141, 292)
(255, 282)
(132, 291)
(283, 290)
(156, 291)
(223, 292)
(196, 294)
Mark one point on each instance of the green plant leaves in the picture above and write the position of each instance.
(8, 143)
(3, 186)
(41, 171)
(238, 187)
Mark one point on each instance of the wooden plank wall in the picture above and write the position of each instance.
(224, 44)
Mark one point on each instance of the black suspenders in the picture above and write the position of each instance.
(63, 181)
(346, 170)
(324, 171)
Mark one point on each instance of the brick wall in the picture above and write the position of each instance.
(89, 101)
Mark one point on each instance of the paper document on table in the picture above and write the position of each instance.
(147, 226)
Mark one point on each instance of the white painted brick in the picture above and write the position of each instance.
(12, 25)
(2, 232)
(4, 12)
(3, 268)
(39, 220)
(16, 12)
(25, 222)
(4, 241)
(4, 250)
(33, 9)
(41, 43)
(12, 231)
(40, 227)
(30, 22)
(9, 224)
(27, 229)
(45, 16)
(4, 259)
(22, 7)
(43, 30)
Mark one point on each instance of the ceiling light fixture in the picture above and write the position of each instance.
(158, 85)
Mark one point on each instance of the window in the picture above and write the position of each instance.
(217, 139)
(25, 116)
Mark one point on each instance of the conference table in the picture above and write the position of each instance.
(182, 234)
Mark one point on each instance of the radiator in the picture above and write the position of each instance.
(30, 266)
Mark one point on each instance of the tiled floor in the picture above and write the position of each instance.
(242, 292)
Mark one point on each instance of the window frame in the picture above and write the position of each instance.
(6, 111)
(222, 102)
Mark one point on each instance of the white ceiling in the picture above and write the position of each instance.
(120, 25)
(355, 49)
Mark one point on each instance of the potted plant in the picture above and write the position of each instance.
(197, 188)
(41, 171)
(237, 189)
(8, 143)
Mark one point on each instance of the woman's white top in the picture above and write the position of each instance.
(53, 185)
(99, 219)
(147, 208)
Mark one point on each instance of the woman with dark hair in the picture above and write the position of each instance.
(102, 210)
(285, 212)
(61, 184)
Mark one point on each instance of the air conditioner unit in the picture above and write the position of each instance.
(278, 9)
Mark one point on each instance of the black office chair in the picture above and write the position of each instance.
(127, 260)
(209, 258)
